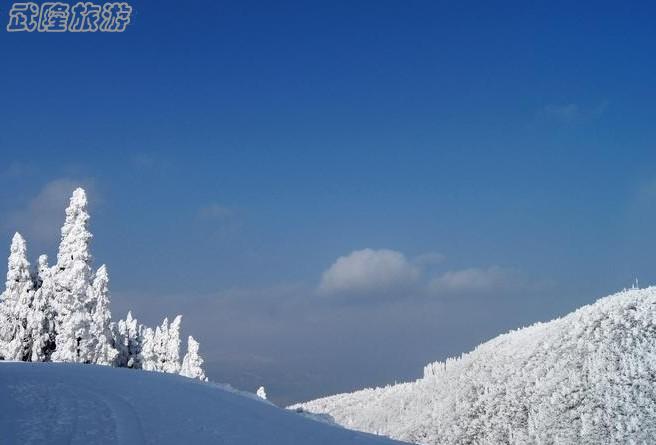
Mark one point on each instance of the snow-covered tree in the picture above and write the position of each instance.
(103, 351)
(149, 359)
(61, 313)
(160, 341)
(585, 378)
(128, 340)
(172, 357)
(261, 393)
(161, 347)
(192, 364)
(41, 320)
(72, 280)
(16, 303)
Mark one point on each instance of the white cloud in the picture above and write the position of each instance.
(390, 273)
(368, 270)
(477, 280)
(40, 220)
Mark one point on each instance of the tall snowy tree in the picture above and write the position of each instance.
(135, 339)
(161, 336)
(41, 321)
(172, 354)
(72, 279)
(164, 347)
(16, 303)
(61, 313)
(128, 340)
(103, 351)
(192, 364)
(149, 359)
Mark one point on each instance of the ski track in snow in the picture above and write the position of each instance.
(56, 404)
(75, 414)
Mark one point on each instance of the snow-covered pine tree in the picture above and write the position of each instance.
(41, 324)
(165, 352)
(135, 338)
(149, 359)
(192, 364)
(120, 340)
(16, 302)
(128, 340)
(172, 357)
(103, 351)
(161, 336)
(72, 278)
(60, 313)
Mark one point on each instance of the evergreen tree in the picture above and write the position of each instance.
(135, 338)
(120, 343)
(192, 364)
(72, 279)
(103, 351)
(62, 314)
(165, 351)
(172, 354)
(128, 340)
(41, 323)
(149, 359)
(16, 302)
(161, 342)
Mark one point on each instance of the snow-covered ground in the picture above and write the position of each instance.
(586, 378)
(56, 403)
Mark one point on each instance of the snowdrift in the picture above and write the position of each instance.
(56, 403)
(586, 378)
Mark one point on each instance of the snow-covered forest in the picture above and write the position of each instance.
(586, 378)
(61, 313)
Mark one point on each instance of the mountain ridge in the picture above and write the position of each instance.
(586, 377)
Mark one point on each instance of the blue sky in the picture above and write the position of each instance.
(235, 150)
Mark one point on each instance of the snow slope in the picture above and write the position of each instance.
(87, 404)
(586, 378)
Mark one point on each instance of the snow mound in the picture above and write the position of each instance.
(586, 378)
(58, 403)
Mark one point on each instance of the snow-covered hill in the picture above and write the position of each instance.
(56, 403)
(586, 378)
